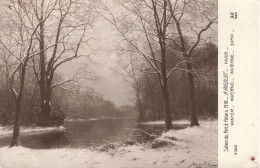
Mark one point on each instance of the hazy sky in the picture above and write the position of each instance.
(109, 84)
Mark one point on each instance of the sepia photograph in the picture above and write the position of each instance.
(109, 83)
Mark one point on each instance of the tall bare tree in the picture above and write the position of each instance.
(192, 19)
(66, 30)
(17, 43)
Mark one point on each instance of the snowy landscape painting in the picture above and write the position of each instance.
(108, 84)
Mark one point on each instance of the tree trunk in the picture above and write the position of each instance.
(45, 117)
(46, 109)
(138, 103)
(164, 86)
(193, 108)
(18, 104)
(16, 131)
(167, 108)
(193, 112)
(8, 97)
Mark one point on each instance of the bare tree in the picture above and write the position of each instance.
(130, 68)
(17, 43)
(192, 18)
(144, 26)
(66, 30)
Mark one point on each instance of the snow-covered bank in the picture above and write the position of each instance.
(96, 119)
(163, 122)
(8, 131)
(196, 145)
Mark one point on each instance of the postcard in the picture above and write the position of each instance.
(129, 84)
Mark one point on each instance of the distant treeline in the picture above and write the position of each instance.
(75, 103)
(92, 105)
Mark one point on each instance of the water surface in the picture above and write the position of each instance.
(81, 134)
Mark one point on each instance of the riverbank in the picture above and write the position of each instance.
(175, 148)
(8, 130)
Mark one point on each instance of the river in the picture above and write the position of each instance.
(81, 134)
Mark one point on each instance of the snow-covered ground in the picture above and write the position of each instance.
(196, 145)
(8, 131)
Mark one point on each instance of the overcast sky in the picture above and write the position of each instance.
(109, 84)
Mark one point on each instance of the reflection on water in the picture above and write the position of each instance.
(82, 134)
